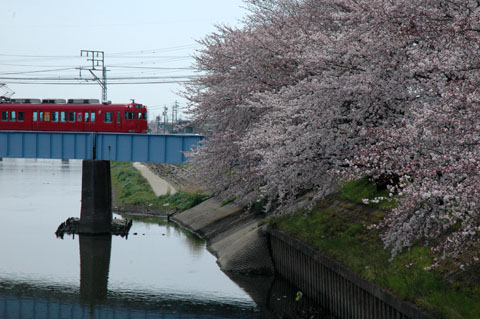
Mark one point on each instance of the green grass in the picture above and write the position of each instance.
(360, 189)
(338, 227)
(131, 188)
(229, 200)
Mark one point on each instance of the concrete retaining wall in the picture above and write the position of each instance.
(332, 285)
(242, 246)
(233, 236)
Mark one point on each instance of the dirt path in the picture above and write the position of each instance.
(159, 185)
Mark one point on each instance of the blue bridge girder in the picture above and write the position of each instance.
(159, 148)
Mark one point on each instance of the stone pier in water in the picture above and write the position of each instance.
(96, 211)
(96, 208)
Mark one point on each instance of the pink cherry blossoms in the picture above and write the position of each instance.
(309, 93)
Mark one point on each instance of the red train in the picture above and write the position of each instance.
(79, 115)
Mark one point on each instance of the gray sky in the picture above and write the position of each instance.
(149, 39)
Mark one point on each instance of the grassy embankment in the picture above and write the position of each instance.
(338, 227)
(131, 188)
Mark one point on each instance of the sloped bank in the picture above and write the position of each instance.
(234, 236)
(243, 245)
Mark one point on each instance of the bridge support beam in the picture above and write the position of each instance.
(96, 210)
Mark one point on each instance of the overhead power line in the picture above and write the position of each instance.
(38, 56)
(94, 79)
(148, 67)
(175, 48)
(90, 83)
(38, 71)
(142, 67)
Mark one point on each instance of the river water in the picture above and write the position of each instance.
(161, 272)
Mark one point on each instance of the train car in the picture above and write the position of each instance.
(78, 115)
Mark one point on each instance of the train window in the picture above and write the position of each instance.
(79, 117)
(144, 116)
(92, 117)
(71, 116)
(139, 116)
(87, 118)
(13, 116)
(4, 115)
(138, 106)
(108, 117)
(46, 118)
(130, 115)
(118, 117)
(21, 116)
(54, 116)
(63, 116)
(40, 118)
(35, 116)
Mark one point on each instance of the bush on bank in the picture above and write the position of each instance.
(131, 188)
(339, 228)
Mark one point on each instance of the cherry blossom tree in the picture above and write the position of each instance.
(436, 152)
(309, 92)
(234, 66)
(293, 50)
(435, 149)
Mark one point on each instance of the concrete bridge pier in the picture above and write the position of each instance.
(96, 209)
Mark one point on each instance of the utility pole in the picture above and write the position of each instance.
(174, 113)
(98, 64)
(158, 122)
(173, 117)
(165, 110)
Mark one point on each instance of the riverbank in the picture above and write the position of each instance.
(236, 238)
(133, 194)
(159, 185)
(233, 235)
(339, 228)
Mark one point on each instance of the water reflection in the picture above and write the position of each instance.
(94, 267)
(162, 272)
(194, 243)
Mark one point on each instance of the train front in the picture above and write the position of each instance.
(138, 113)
